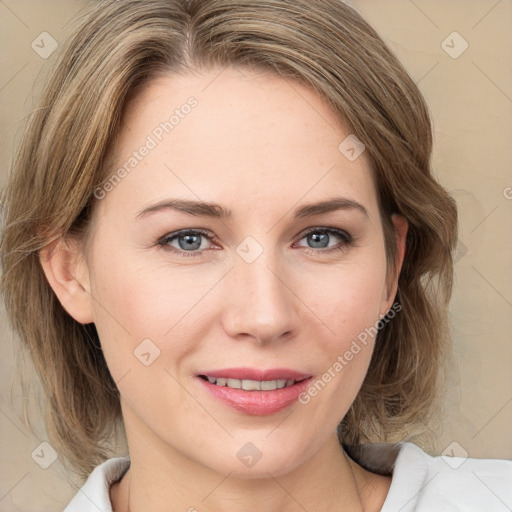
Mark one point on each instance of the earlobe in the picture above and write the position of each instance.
(66, 272)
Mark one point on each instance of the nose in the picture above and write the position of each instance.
(261, 306)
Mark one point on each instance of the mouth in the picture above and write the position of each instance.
(253, 391)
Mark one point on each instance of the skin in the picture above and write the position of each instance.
(260, 147)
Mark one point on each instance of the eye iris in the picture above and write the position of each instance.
(191, 243)
(318, 238)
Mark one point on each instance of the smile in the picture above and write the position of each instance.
(253, 391)
(251, 385)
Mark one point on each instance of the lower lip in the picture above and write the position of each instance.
(257, 403)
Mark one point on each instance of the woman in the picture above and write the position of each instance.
(223, 222)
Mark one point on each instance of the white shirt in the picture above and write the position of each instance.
(420, 483)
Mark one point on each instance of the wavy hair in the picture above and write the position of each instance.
(117, 47)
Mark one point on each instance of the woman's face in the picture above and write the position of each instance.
(276, 290)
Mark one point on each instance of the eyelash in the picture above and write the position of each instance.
(347, 241)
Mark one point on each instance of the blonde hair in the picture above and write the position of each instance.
(115, 50)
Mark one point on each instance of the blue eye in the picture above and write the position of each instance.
(320, 236)
(190, 241)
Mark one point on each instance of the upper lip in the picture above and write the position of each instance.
(256, 374)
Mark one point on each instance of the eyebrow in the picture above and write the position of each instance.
(214, 210)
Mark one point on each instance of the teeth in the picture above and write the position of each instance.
(252, 385)
(234, 383)
(269, 385)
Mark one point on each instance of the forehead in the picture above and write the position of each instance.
(229, 135)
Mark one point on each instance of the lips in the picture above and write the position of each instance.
(255, 391)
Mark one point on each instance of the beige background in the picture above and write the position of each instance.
(471, 102)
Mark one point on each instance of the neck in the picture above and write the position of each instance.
(327, 481)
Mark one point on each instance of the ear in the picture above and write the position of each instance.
(66, 271)
(401, 227)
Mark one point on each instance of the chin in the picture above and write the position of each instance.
(249, 462)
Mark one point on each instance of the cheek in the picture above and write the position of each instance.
(134, 304)
(347, 308)
(347, 298)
